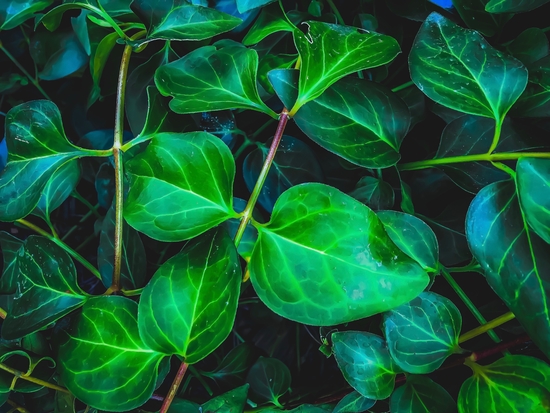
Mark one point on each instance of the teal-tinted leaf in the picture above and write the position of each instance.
(180, 186)
(285, 84)
(46, 288)
(361, 121)
(235, 364)
(250, 235)
(329, 52)
(325, 259)
(474, 15)
(101, 48)
(533, 180)
(80, 28)
(105, 185)
(10, 247)
(134, 262)
(245, 5)
(531, 45)
(15, 12)
(365, 363)
(421, 395)
(212, 78)
(353, 403)
(180, 20)
(457, 68)
(103, 361)
(513, 6)
(423, 333)
(200, 287)
(233, 401)
(535, 101)
(272, 19)
(516, 383)
(374, 193)
(273, 62)
(513, 257)
(413, 236)
(31, 365)
(294, 163)
(269, 379)
(37, 147)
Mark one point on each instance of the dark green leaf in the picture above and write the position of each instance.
(180, 186)
(365, 362)
(245, 5)
(272, 62)
(269, 379)
(10, 247)
(103, 361)
(353, 403)
(513, 6)
(272, 19)
(101, 49)
(31, 365)
(235, 364)
(46, 288)
(474, 15)
(64, 402)
(421, 395)
(531, 45)
(325, 259)
(200, 287)
(285, 84)
(457, 68)
(535, 101)
(374, 193)
(250, 235)
(233, 401)
(15, 12)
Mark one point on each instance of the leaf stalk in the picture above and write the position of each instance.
(174, 388)
(486, 327)
(20, 374)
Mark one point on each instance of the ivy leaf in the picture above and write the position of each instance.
(245, 5)
(513, 6)
(530, 45)
(520, 382)
(10, 247)
(272, 19)
(535, 101)
(180, 187)
(329, 52)
(374, 193)
(353, 403)
(457, 68)
(46, 288)
(325, 259)
(413, 236)
(474, 15)
(513, 257)
(15, 12)
(269, 379)
(423, 333)
(181, 20)
(103, 362)
(41, 368)
(37, 147)
(212, 78)
(365, 363)
(200, 286)
(421, 395)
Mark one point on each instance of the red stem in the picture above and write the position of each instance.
(174, 388)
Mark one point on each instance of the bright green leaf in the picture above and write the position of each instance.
(513, 6)
(269, 379)
(535, 101)
(374, 193)
(245, 5)
(272, 19)
(10, 247)
(421, 395)
(15, 12)
(353, 403)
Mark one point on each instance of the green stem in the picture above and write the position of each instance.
(173, 388)
(403, 86)
(486, 327)
(336, 12)
(92, 208)
(31, 78)
(21, 375)
(99, 10)
(484, 157)
(242, 148)
(247, 213)
(61, 244)
(496, 137)
(473, 266)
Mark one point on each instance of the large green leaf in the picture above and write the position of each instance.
(353, 403)
(103, 361)
(324, 259)
(457, 68)
(513, 383)
(212, 78)
(10, 247)
(46, 288)
(476, 17)
(365, 362)
(269, 379)
(513, 6)
(180, 186)
(533, 180)
(245, 5)
(15, 12)
(421, 395)
(374, 193)
(329, 52)
(181, 20)
(37, 147)
(423, 333)
(272, 19)
(515, 260)
(535, 101)
(199, 287)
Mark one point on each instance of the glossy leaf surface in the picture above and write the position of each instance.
(272, 19)
(353, 403)
(374, 193)
(421, 394)
(269, 379)
(10, 246)
(513, 6)
(229, 402)
(15, 12)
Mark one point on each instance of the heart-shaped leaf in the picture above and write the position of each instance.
(269, 379)
(10, 247)
(354, 403)
(421, 395)
(513, 6)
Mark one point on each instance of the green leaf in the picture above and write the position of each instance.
(200, 287)
(457, 68)
(46, 288)
(10, 247)
(374, 193)
(64, 403)
(515, 383)
(329, 52)
(273, 62)
(535, 101)
(235, 364)
(515, 260)
(421, 395)
(269, 379)
(353, 403)
(325, 259)
(180, 187)
(180, 20)
(365, 363)
(531, 45)
(245, 5)
(272, 19)
(533, 181)
(413, 236)
(101, 49)
(37, 147)
(212, 78)
(285, 84)
(38, 367)
(133, 272)
(474, 15)
(15, 12)
(232, 401)
(513, 6)
(103, 362)
(423, 333)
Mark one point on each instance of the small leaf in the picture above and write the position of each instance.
(353, 403)
(421, 395)
(269, 379)
(531, 45)
(180, 187)
(535, 101)
(513, 6)
(365, 363)
(272, 19)
(245, 5)
(423, 333)
(101, 45)
(10, 248)
(374, 193)
(15, 12)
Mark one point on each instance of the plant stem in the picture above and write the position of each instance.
(247, 213)
(174, 388)
(336, 12)
(17, 407)
(403, 86)
(92, 208)
(31, 78)
(484, 157)
(61, 244)
(21, 375)
(486, 327)
(496, 137)
(3, 313)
